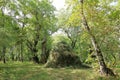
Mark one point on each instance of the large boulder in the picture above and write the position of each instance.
(61, 56)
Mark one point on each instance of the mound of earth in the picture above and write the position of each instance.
(62, 56)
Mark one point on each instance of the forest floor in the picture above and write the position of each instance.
(30, 71)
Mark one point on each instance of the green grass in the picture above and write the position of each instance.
(31, 71)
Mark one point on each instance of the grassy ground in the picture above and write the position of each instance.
(30, 71)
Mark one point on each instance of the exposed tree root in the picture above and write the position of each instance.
(107, 71)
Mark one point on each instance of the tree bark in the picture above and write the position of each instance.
(45, 53)
(103, 68)
(21, 52)
(3, 25)
(4, 51)
(11, 52)
(21, 44)
(33, 48)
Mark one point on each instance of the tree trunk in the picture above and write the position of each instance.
(3, 25)
(11, 53)
(32, 45)
(21, 52)
(103, 68)
(33, 50)
(21, 45)
(35, 57)
(4, 51)
(45, 53)
(73, 41)
(12, 56)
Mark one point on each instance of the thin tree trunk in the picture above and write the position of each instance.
(4, 51)
(103, 67)
(3, 25)
(12, 56)
(11, 52)
(21, 47)
(73, 41)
